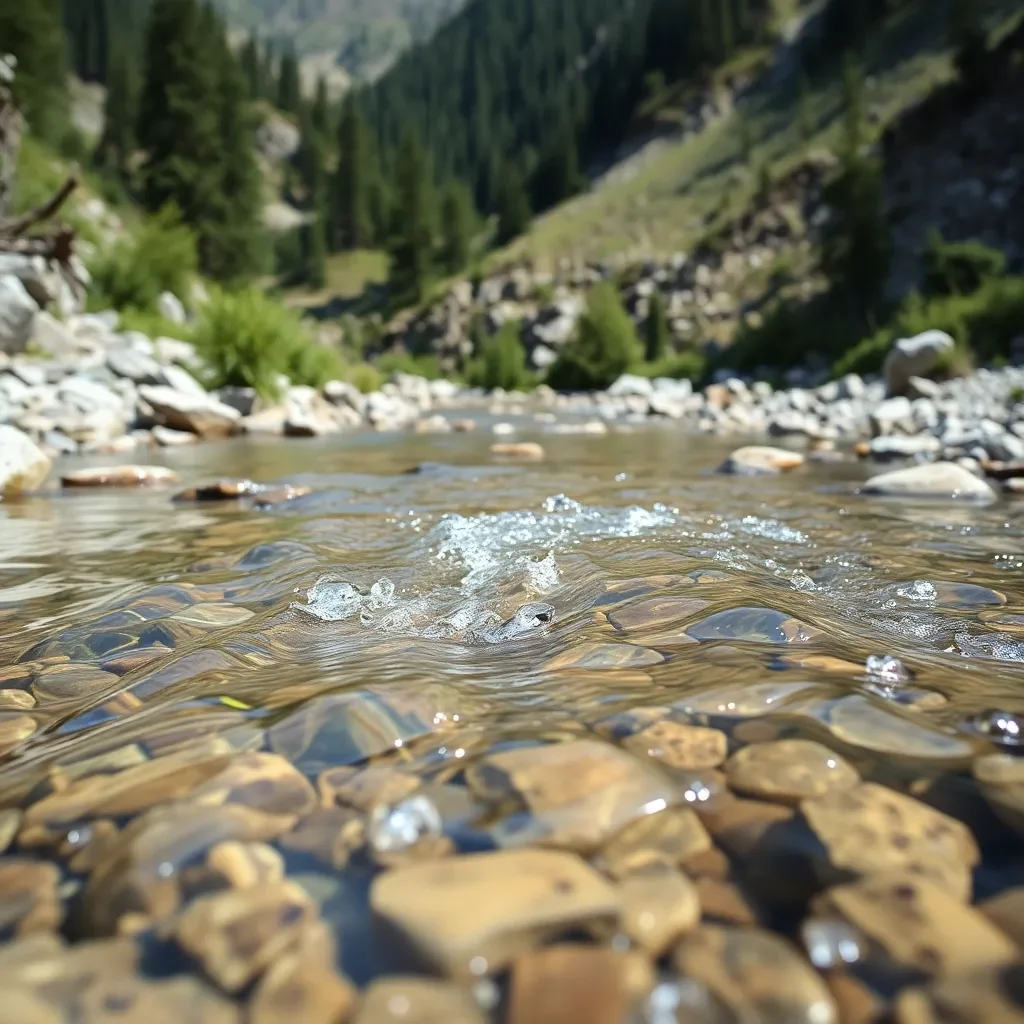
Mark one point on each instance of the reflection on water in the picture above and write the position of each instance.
(430, 655)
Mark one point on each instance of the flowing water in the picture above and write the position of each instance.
(426, 608)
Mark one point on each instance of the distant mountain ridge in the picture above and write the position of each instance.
(366, 36)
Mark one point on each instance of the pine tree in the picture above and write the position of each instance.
(853, 104)
(968, 36)
(514, 213)
(193, 125)
(412, 240)
(557, 176)
(119, 109)
(726, 30)
(289, 92)
(314, 250)
(350, 202)
(32, 31)
(746, 138)
(657, 332)
(805, 113)
(252, 66)
(456, 227)
(310, 158)
(320, 113)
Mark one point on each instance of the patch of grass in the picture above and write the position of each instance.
(152, 324)
(349, 274)
(404, 362)
(502, 362)
(690, 364)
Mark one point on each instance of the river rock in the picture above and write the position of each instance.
(754, 625)
(919, 356)
(917, 925)
(23, 464)
(18, 311)
(236, 935)
(202, 415)
(686, 747)
(939, 480)
(579, 793)
(414, 1000)
(29, 900)
(757, 975)
(995, 996)
(659, 906)
(170, 307)
(598, 656)
(518, 450)
(570, 984)
(120, 476)
(757, 460)
(168, 438)
(654, 612)
(789, 770)
(134, 366)
(475, 914)
(670, 838)
(308, 414)
(870, 829)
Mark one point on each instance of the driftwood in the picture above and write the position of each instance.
(55, 245)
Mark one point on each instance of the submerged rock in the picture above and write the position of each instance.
(518, 450)
(789, 770)
(757, 460)
(23, 464)
(945, 480)
(120, 476)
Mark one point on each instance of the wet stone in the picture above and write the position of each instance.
(999, 770)
(754, 625)
(994, 996)
(330, 835)
(1001, 727)
(789, 770)
(918, 926)
(658, 906)
(597, 656)
(236, 935)
(578, 793)
(304, 985)
(671, 838)
(29, 897)
(180, 1000)
(121, 476)
(213, 615)
(10, 822)
(869, 829)
(366, 787)
(71, 682)
(750, 701)
(246, 865)
(412, 1000)
(16, 700)
(723, 902)
(569, 985)
(264, 782)
(1006, 912)
(758, 460)
(528, 450)
(687, 747)
(738, 826)
(14, 730)
(473, 915)
(757, 975)
(654, 613)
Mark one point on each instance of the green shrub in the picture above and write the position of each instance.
(160, 257)
(502, 362)
(247, 339)
(959, 268)
(405, 362)
(365, 377)
(152, 324)
(605, 346)
(690, 364)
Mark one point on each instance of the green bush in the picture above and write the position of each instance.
(160, 257)
(605, 346)
(152, 324)
(690, 364)
(405, 362)
(247, 339)
(365, 377)
(959, 268)
(502, 362)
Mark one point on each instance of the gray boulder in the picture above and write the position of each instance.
(23, 464)
(170, 308)
(939, 480)
(18, 311)
(200, 414)
(919, 356)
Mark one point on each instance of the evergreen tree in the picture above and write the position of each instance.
(746, 138)
(252, 67)
(514, 212)
(32, 31)
(289, 92)
(657, 332)
(557, 176)
(309, 159)
(456, 227)
(412, 240)
(193, 125)
(118, 141)
(968, 36)
(805, 113)
(726, 30)
(314, 249)
(350, 204)
(502, 362)
(853, 104)
(320, 113)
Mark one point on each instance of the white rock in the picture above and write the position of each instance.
(18, 311)
(53, 338)
(915, 357)
(23, 464)
(936, 480)
(757, 460)
(170, 308)
(631, 384)
(851, 386)
(173, 350)
(341, 393)
(308, 414)
(900, 446)
(183, 381)
(134, 366)
(201, 414)
(891, 415)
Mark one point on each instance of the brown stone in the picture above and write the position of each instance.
(597, 656)
(738, 826)
(724, 903)
(757, 460)
(475, 914)
(29, 897)
(237, 934)
(919, 925)
(654, 613)
(365, 788)
(64, 773)
(303, 985)
(330, 835)
(16, 700)
(569, 985)
(856, 1002)
(181, 1000)
(712, 863)
(10, 822)
(120, 476)
(518, 450)
(687, 747)
(869, 829)
(86, 846)
(671, 837)
(789, 770)
(1006, 912)
(580, 793)
(14, 730)
(246, 865)
(71, 681)
(265, 782)
(756, 974)
(658, 906)
(399, 1000)
(994, 996)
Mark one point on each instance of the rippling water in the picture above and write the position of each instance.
(448, 598)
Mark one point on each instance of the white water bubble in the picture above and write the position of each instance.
(919, 590)
(562, 503)
(397, 827)
(886, 669)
